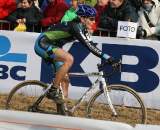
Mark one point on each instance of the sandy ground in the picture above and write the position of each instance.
(153, 116)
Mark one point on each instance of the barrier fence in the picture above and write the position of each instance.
(6, 25)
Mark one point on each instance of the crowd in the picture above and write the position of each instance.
(24, 14)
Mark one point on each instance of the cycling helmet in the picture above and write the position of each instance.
(86, 11)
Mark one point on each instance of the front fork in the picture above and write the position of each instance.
(103, 86)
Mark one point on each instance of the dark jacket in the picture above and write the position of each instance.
(32, 15)
(110, 17)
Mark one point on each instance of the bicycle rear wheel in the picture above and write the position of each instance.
(24, 94)
(127, 103)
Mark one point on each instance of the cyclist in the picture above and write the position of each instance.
(49, 45)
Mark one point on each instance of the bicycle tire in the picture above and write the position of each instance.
(126, 113)
(21, 98)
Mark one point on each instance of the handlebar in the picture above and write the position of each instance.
(114, 69)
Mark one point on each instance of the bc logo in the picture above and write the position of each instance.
(5, 46)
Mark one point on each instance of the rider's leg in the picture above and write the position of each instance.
(65, 81)
(67, 59)
(52, 53)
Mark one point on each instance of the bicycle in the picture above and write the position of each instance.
(97, 107)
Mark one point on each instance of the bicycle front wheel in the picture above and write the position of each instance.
(126, 102)
(23, 96)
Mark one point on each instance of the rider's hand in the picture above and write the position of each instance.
(115, 63)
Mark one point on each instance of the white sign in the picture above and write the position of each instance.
(127, 29)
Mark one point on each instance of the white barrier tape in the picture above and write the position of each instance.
(16, 120)
(32, 121)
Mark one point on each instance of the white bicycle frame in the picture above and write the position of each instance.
(100, 83)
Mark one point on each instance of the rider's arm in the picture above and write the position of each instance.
(85, 40)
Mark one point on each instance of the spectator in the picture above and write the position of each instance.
(117, 10)
(27, 14)
(149, 19)
(6, 7)
(71, 13)
(101, 6)
(54, 12)
(36, 3)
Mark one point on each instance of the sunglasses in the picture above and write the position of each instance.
(91, 18)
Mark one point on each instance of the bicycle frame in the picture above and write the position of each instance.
(100, 83)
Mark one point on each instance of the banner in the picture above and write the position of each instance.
(140, 64)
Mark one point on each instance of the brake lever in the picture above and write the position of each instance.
(118, 68)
